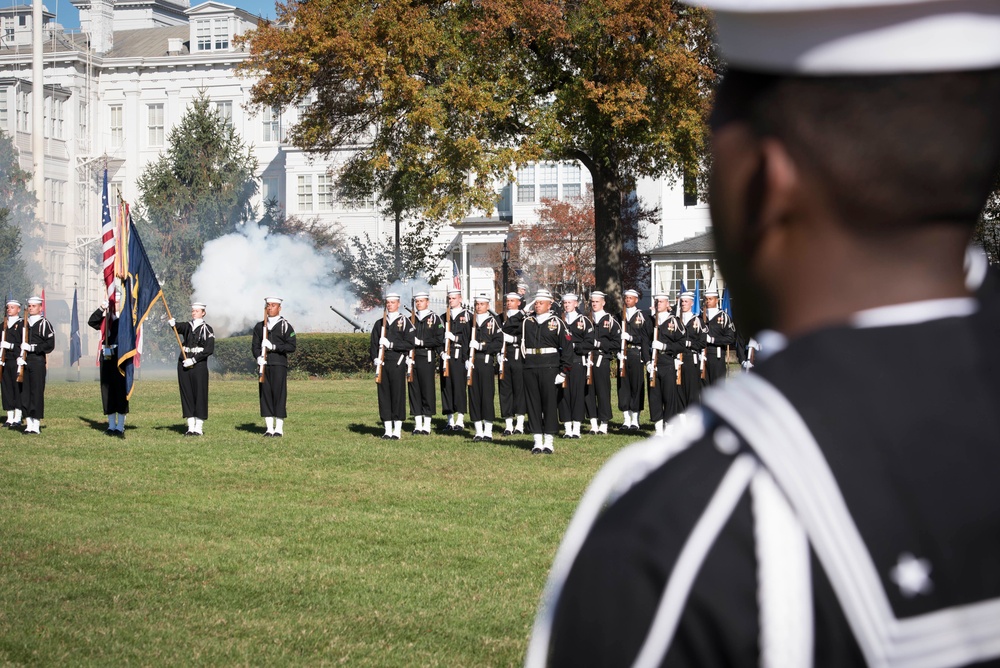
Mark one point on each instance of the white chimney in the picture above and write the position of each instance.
(102, 25)
(174, 45)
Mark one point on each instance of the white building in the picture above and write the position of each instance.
(114, 91)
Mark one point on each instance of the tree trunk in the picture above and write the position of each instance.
(608, 235)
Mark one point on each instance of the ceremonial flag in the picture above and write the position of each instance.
(696, 309)
(43, 302)
(726, 306)
(141, 290)
(75, 347)
(108, 244)
(456, 277)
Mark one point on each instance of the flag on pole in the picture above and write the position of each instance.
(108, 244)
(696, 309)
(726, 306)
(75, 347)
(141, 290)
(456, 277)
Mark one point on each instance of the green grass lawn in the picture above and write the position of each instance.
(328, 546)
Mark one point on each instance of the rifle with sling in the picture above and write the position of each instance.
(381, 352)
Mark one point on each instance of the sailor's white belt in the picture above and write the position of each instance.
(430, 355)
(540, 351)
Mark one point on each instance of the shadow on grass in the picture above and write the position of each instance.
(176, 428)
(361, 428)
(96, 425)
(251, 428)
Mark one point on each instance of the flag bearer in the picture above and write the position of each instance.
(114, 397)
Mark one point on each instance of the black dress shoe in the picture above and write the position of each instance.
(567, 436)
(508, 432)
(268, 434)
(120, 433)
(386, 437)
(634, 427)
(277, 434)
(519, 431)
(536, 451)
(575, 436)
(487, 438)
(395, 438)
(109, 432)
(547, 451)
(189, 433)
(477, 438)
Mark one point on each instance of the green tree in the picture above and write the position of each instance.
(198, 190)
(17, 225)
(452, 94)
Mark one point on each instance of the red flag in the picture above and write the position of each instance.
(43, 302)
(108, 244)
(456, 277)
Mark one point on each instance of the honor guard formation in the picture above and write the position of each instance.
(839, 505)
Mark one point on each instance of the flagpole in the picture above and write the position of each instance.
(178, 336)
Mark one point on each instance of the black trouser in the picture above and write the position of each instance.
(632, 388)
(598, 393)
(482, 390)
(33, 387)
(664, 395)
(114, 398)
(690, 381)
(274, 392)
(392, 389)
(193, 383)
(715, 364)
(453, 397)
(512, 398)
(571, 401)
(540, 390)
(423, 399)
(10, 389)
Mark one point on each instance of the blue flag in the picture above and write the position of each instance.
(726, 306)
(696, 309)
(75, 349)
(142, 289)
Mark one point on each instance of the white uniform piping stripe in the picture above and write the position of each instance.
(627, 467)
(784, 589)
(949, 637)
(692, 556)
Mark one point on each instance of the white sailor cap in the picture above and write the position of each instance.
(199, 305)
(273, 300)
(35, 300)
(522, 286)
(598, 293)
(543, 294)
(423, 294)
(512, 295)
(687, 295)
(390, 296)
(661, 295)
(13, 302)
(711, 293)
(454, 291)
(632, 293)
(570, 296)
(857, 37)
(483, 298)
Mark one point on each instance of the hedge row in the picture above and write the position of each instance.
(315, 354)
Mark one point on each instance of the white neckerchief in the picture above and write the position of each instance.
(455, 311)
(711, 312)
(423, 314)
(481, 317)
(512, 312)
(542, 317)
(391, 317)
(686, 317)
(271, 322)
(599, 314)
(630, 311)
(662, 317)
(571, 317)
(32, 319)
(197, 322)
(12, 320)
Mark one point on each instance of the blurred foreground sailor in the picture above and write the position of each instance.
(197, 344)
(273, 340)
(391, 342)
(114, 396)
(10, 342)
(838, 506)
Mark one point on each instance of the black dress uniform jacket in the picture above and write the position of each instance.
(512, 399)
(632, 387)
(429, 330)
(722, 331)
(453, 394)
(114, 398)
(694, 344)
(482, 391)
(193, 380)
(583, 338)
(274, 390)
(665, 394)
(43, 337)
(548, 351)
(10, 389)
(392, 389)
(608, 342)
(816, 513)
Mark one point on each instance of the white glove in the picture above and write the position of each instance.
(678, 363)
(27, 347)
(696, 360)
(21, 361)
(475, 345)
(709, 339)
(626, 336)
(621, 357)
(170, 322)
(8, 345)
(687, 344)
(104, 306)
(450, 336)
(560, 377)
(503, 360)
(186, 349)
(409, 361)
(468, 365)
(418, 342)
(509, 338)
(384, 342)
(261, 361)
(747, 365)
(650, 369)
(266, 343)
(659, 345)
(445, 357)
(377, 362)
(189, 362)
(197, 350)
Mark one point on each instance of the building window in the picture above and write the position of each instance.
(526, 184)
(23, 111)
(690, 187)
(269, 188)
(3, 110)
(272, 123)
(203, 35)
(58, 201)
(117, 126)
(571, 172)
(305, 193)
(225, 110)
(548, 180)
(56, 269)
(220, 30)
(154, 116)
(57, 118)
(571, 191)
(82, 118)
(324, 192)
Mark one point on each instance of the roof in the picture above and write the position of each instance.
(146, 42)
(702, 243)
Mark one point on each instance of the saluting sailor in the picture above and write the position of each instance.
(457, 333)
(513, 405)
(484, 346)
(548, 352)
(838, 506)
(198, 344)
(632, 387)
(667, 347)
(391, 342)
(114, 397)
(41, 340)
(273, 341)
(583, 341)
(10, 346)
(608, 343)
(428, 340)
(720, 333)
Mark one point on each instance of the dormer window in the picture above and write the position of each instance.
(212, 34)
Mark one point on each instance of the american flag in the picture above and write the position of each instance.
(456, 277)
(108, 243)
